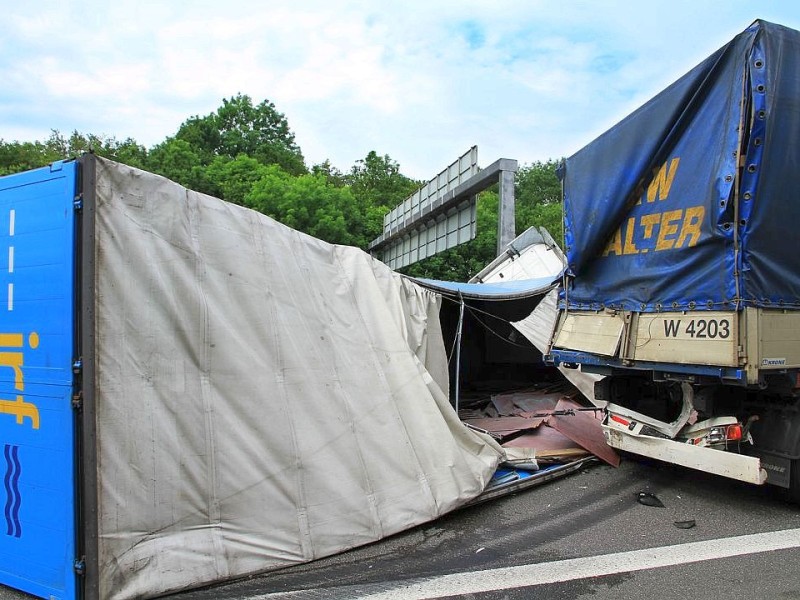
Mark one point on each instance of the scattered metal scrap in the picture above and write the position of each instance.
(515, 420)
(528, 479)
(545, 431)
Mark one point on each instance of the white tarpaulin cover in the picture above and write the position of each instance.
(263, 398)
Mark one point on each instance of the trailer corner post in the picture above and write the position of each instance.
(87, 439)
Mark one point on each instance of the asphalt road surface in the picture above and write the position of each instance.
(582, 536)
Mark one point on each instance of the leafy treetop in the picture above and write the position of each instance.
(247, 154)
(238, 127)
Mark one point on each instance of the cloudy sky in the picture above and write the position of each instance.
(419, 80)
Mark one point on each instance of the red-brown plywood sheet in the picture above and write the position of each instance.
(547, 442)
(584, 429)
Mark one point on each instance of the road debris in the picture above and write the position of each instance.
(685, 524)
(649, 499)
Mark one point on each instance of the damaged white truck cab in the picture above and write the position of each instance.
(680, 287)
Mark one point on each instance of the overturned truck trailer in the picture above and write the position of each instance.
(683, 278)
(191, 392)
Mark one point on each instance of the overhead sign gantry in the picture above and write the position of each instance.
(442, 213)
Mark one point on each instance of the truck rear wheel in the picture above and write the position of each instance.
(776, 438)
(793, 493)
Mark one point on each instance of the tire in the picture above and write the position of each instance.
(793, 493)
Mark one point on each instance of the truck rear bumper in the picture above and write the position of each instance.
(710, 460)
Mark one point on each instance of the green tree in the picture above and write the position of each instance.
(238, 127)
(332, 175)
(377, 180)
(21, 156)
(177, 160)
(234, 179)
(307, 203)
(128, 152)
(377, 185)
(538, 198)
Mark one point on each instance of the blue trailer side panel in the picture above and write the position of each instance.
(37, 445)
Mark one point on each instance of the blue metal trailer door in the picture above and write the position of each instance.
(37, 340)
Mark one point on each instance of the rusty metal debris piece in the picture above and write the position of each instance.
(583, 429)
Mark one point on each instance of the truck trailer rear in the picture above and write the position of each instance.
(683, 278)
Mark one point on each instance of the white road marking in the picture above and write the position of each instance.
(11, 259)
(10, 296)
(11, 221)
(475, 582)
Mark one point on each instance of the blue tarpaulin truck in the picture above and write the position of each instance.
(683, 278)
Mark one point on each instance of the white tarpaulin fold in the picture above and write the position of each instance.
(263, 398)
(539, 326)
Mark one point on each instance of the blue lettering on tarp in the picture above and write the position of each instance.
(13, 497)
